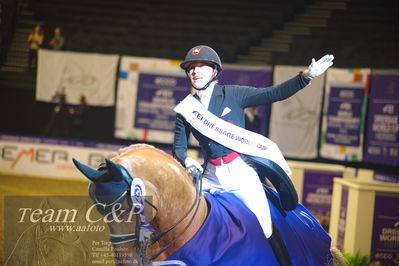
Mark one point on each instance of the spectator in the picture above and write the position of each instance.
(252, 120)
(78, 117)
(60, 119)
(57, 42)
(35, 40)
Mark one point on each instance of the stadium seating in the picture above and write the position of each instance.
(165, 29)
(366, 34)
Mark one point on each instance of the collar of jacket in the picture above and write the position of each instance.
(216, 97)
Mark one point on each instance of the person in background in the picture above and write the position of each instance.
(60, 119)
(35, 40)
(252, 119)
(78, 114)
(57, 42)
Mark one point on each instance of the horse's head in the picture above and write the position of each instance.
(142, 170)
(109, 185)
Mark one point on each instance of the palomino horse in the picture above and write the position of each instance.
(185, 227)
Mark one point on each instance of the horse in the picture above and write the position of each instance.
(170, 220)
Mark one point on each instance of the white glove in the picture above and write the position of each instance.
(317, 68)
(190, 163)
(194, 169)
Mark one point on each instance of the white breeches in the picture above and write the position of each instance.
(242, 180)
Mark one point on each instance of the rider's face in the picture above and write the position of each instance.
(200, 74)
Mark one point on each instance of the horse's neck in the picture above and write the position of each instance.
(176, 198)
(173, 194)
(190, 225)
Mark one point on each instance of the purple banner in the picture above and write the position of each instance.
(383, 177)
(156, 97)
(382, 140)
(342, 218)
(254, 78)
(344, 116)
(385, 236)
(317, 194)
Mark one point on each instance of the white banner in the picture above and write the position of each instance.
(75, 74)
(294, 122)
(229, 135)
(344, 113)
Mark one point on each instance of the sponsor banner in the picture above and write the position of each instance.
(155, 101)
(149, 89)
(344, 114)
(294, 122)
(48, 158)
(74, 74)
(317, 194)
(385, 236)
(384, 177)
(382, 139)
(255, 76)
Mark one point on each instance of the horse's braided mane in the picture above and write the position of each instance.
(133, 147)
(123, 155)
(142, 146)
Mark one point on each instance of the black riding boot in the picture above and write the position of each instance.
(279, 248)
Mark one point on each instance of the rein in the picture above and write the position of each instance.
(196, 203)
(144, 235)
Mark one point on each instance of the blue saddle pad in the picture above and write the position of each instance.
(232, 235)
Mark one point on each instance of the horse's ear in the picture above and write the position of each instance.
(117, 171)
(89, 172)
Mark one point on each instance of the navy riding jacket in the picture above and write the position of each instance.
(236, 98)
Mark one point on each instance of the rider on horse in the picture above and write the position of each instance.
(226, 168)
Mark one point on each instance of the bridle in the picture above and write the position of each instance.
(144, 235)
